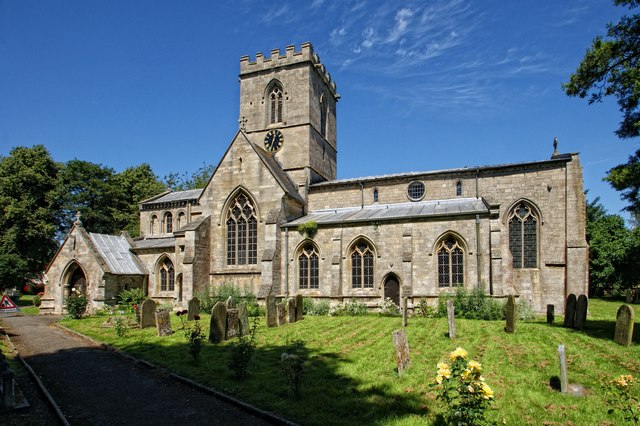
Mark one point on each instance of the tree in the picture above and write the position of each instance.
(198, 179)
(30, 213)
(611, 67)
(136, 183)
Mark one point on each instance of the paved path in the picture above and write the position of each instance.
(94, 386)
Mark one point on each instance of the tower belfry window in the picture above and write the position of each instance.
(323, 116)
(275, 104)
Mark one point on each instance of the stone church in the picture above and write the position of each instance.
(510, 229)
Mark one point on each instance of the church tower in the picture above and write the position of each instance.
(288, 109)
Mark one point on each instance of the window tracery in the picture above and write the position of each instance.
(308, 267)
(523, 236)
(242, 232)
(450, 263)
(362, 265)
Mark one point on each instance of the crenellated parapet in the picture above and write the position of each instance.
(290, 57)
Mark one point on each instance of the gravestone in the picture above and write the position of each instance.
(452, 319)
(299, 307)
(194, 308)
(148, 314)
(281, 310)
(570, 311)
(7, 379)
(233, 324)
(163, 321)
(550, 314)
(230, 304)
(218, 324)
(624, 326)
(564, 384)
(291, 310)
(401, 345)
(272, 315)
(581, 312)
(243, 318)
(405, 315)
(628, 296)
(511, 314)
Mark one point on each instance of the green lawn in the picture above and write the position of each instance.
(25, 304)
(350, 375)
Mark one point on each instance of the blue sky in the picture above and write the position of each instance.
(425, 84)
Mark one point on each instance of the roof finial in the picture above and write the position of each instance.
(77, 222)
(555, 145)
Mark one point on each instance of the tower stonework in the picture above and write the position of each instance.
(294, 95)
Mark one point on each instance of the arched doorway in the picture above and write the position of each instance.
(75, 278)
(392, 289)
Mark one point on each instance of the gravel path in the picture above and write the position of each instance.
(97, 387)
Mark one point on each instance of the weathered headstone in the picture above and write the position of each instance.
(243, 318)
(163, 321)
(550, 314)
(218, 324)
(570, 311)
(581, 312)
(510, 313)
(272, 315)
(624, 326)
(233, 324)
(401, 345)
(405, 314)
(628, 296)
(194, 308)
(451, 316)
(564, 384)
(299, 307)
(230, 304)
(148, 314)
(291, 310)
(281, 309)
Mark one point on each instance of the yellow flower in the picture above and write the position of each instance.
(474, 366)
(443, 366)
(458, 353)
(465, 374)
(487, 392)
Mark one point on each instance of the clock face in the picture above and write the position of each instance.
(273, 141)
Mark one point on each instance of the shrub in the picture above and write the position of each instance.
(76, 304)
(121, 326)
(525, 310)
(193, 333)
(620, 396)
(472, 305)
(351, 309)
(463, 389)
(425, 310)
(37, 299)
(308, 228)
(389, 309)
(208, 298)
(242, 352)
(128, 298)
(293, 366)
(315, 307)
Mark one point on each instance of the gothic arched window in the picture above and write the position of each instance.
(375, 195)
(152, 224)
(275, 104)
(458, 189)
(180, 222)
(362, 265)
(450, 263)
(242, 232)
(308, 267)
(523, 236)
(167, 275)
(168, 222)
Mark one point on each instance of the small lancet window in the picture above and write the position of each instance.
(168, 222)
(375, 195)
(458, 189)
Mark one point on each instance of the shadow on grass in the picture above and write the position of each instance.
(328, 395)
(599, 329)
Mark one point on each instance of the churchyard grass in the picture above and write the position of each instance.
(350, 376)
(25, 304)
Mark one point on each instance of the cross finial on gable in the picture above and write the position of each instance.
(77, 222)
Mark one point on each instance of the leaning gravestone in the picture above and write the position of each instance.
(510, 312)
(550, 314)
(624, 326)
(401, 345)
(570, 311)
(230, 304)
(148, 314)
(272, 316)
(405, 314)
(452, 319)
(163, 321)
(194, 309)
(291, 310)
(243, 318)
(581, 312)
(218, 324)
(299, 307)
(281, 309)
(233, 324)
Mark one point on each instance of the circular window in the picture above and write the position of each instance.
(415, 191)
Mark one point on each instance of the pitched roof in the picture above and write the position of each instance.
(173, 196)
(150, 243)
(388, 212)
(116, 253)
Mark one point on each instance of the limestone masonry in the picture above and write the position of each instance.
(515, 229)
